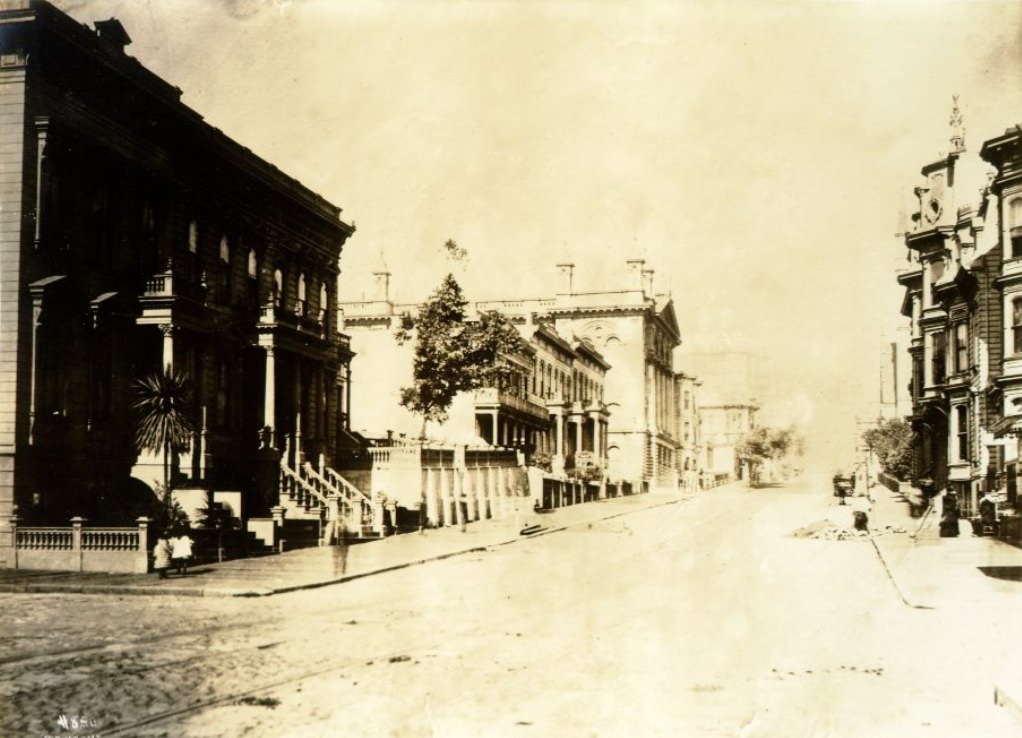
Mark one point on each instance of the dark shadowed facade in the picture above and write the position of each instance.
(133, 236)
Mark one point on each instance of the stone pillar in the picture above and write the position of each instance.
(42, 124)
(269, 396)
(168, 345)
(579, 419)
(445, 517)
(495, 426)
(431, 497)
(278, 527)
(142, 560)
(299, 451)
(37, 311)
(460, 497)
(9, 539)
(76, 543)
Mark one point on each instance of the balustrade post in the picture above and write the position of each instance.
(378, 514)
(76, 542)
(142, 560)
(278, 527)
(12, 543)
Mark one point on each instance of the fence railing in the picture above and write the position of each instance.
(77, 548)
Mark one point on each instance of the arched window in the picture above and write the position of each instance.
(223, 272)
(278, 288)
(253, 279)
(301, 305)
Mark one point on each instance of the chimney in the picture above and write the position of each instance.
(635, 268)
(567, 272)
(647, 282)
(112, 32)
(382, 286)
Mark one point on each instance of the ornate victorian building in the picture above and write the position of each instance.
(952, 297)
(134, 237)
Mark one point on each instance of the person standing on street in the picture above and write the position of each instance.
(161, 555)
(181, 551)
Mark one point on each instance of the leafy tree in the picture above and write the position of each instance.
(452, 353)
(891, 441)
(763, 443)
(164, 425)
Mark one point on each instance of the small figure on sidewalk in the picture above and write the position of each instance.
(161, 555)
(949, 515)
(181, 551)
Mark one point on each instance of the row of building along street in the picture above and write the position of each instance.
(143, 245)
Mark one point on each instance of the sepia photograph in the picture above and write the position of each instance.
(510, 368)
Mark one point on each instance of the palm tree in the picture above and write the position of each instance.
(163, 422)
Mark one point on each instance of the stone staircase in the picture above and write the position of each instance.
(322, 507)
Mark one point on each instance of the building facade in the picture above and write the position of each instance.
(1004, 153)
(550, 406)
(953, 297)
(602, 372)
(137, 237)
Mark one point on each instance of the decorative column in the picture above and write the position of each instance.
(299, 451)
(579, 419)
(269, 396)
(168, 345)
(142, 559)
(37, 311)
(42, 124)
(495, 429)
(445, 517)
(76, 543)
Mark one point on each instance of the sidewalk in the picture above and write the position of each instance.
(318, 567)
(931, 572)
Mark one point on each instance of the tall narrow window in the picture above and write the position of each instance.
(324, 298)
(1016, 324)
(301, 305)
(939, 357)
(193, 250)
(961, 347)
(962, 421)
(1015, 226)
(253, 279)
(278, 288)
(223, 272)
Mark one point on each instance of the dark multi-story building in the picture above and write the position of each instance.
(135, 236)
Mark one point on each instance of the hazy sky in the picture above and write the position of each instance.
(753, 152)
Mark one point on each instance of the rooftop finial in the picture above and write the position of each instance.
(957, 127)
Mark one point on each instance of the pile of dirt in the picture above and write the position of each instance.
(827, 530)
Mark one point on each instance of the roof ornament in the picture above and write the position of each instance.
(957, 127)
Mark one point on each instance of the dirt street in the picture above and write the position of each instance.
(699, 619)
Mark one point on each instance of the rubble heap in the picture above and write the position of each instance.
(829, 531)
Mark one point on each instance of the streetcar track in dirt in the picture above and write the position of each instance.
(259, 645)
(425, 646)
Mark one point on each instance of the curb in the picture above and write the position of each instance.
(894, 581)
(1009, 703)
(151, 590)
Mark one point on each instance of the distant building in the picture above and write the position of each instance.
(724, 426)
(692, 452)
(628, 334)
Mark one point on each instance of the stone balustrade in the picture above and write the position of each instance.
(77, 548)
